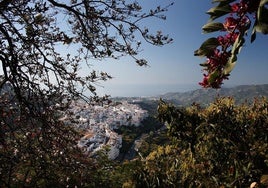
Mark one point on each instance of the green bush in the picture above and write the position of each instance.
(222, 145)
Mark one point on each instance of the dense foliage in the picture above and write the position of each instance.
(43, 46)
(44, 43)
(221, 52)
(37, 150)
(222, 145)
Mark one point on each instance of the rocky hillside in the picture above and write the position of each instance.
(204, 96)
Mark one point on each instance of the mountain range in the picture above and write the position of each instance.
(240, 93)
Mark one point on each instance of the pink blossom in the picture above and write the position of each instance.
(235, 7)
(234, 25)
(227, 39)
(204, 83)
(230, 23)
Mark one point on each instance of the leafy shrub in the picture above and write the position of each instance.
(222, 145)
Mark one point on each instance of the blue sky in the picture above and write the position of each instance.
(174, 67)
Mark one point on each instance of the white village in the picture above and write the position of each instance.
(98, 124)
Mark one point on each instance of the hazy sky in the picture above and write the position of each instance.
(174, 67)
(174, 64)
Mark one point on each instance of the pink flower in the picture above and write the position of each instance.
(227, 39)
(204, 83)
(235, 7)
(218, 60)
(245, 22)
(232, 36)
(222, 40)
(239, 8)
(230, 23)
(234, 25)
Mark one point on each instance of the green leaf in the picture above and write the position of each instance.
(207, 47)
(212, 27)
(253, 34)
(230, 65)
(238, 44)
(213, 76)
(219, 11)
(262, 18)
(235, 50)
(232, 59)
(263, 2)
(204, 64)
(262, 28)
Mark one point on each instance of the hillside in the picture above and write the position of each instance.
(204, 96)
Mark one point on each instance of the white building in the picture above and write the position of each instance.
(98, 122)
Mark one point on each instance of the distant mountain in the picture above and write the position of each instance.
(204, 96)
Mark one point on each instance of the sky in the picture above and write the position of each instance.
(173, 67)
